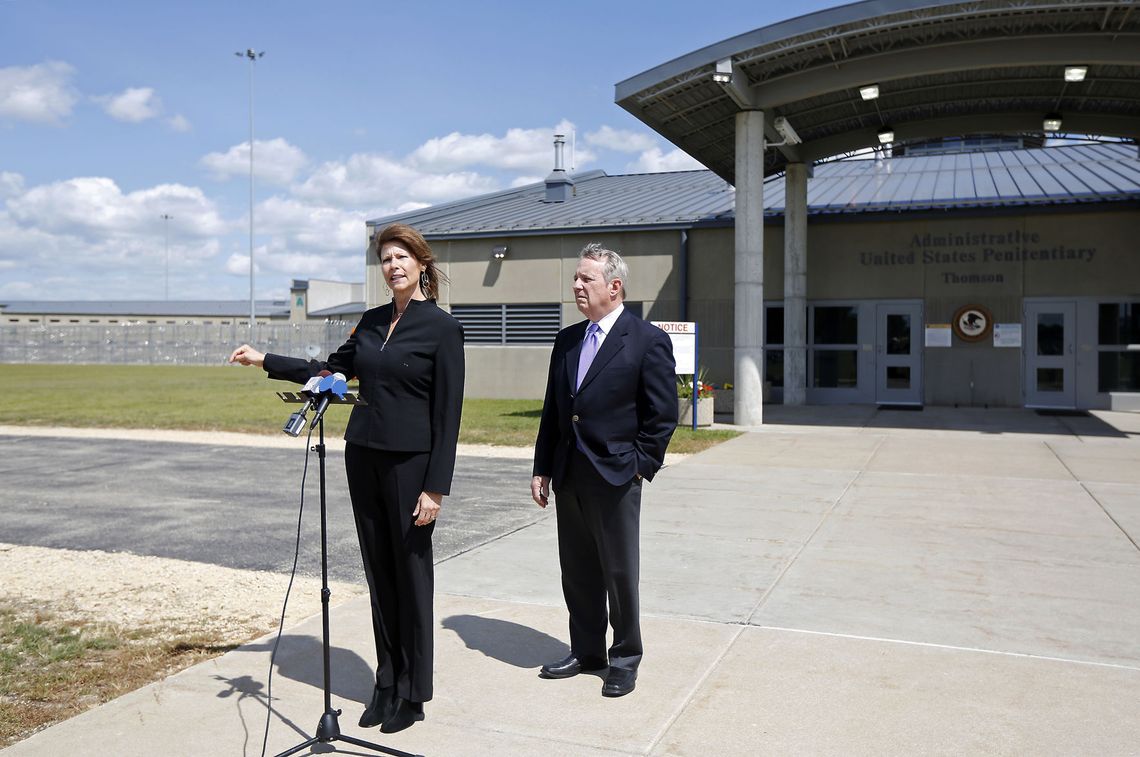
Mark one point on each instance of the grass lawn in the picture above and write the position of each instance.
(52, 669)
(230, 398)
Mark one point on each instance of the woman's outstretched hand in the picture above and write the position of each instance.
(247, 355)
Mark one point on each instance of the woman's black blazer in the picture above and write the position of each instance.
(413, 384)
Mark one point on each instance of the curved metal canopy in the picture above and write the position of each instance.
(942, 69)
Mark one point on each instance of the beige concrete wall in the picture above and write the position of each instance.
(947, 262)
(513, 372)
(539, 269)
(712, 291)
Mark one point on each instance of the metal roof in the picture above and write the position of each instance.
(943, 69)
(1050, 175)
(599, 201)
(349, 308)
(148, 308)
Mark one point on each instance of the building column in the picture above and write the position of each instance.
(795, 284)
(748, 342)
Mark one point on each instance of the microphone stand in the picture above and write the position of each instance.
(328, 728)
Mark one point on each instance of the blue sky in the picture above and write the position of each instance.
(115, 113)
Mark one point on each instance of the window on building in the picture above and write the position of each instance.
(1118, 361)
(773, 346)
(509, 324)
(834, 348)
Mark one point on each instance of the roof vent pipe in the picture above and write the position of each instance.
(559, 186)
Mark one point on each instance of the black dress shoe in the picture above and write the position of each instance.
(381, 707)
(570, 666)
(403, 716)
(619, 682)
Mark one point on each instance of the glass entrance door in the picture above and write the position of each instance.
(1050, 360)
(898, 354)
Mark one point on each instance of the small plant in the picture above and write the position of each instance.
(685, 386)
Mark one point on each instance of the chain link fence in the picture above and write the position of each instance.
(163, 344)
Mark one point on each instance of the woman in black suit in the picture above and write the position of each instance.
(399, 456)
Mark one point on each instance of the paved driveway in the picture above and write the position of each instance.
(226, 505)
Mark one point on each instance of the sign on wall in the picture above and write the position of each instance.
(972, 323)
(938, 335)
(1007, 335)
(684, 337)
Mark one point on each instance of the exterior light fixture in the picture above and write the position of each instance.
(499, 251)
(886, 135)
(723, 72)
(869, 92)
(1052, 122)
(1075, 73)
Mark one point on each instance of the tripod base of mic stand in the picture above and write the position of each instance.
(329, 730)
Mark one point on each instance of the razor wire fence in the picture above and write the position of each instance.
(141, 343)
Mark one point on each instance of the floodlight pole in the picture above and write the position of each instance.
(252, 56)
(166, 248)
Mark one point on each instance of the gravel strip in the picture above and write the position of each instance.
(175, 596)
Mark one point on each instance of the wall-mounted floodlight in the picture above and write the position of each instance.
(785, 130)
(723, 72)
(886, 135)
(869, 92)
(1052, 122)
(499, 251)
(1075, 73)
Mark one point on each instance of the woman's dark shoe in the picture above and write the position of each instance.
(404, 715)
(381, 707)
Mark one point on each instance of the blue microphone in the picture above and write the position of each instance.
(330, 385)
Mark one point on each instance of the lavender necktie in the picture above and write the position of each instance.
(589, 350)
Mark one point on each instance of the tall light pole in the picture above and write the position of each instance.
(252, 56)
(166, 248)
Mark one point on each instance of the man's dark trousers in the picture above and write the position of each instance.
(598, 546)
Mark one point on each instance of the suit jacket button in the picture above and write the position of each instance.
(574, 418)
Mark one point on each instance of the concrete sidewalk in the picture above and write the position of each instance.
(937, 582)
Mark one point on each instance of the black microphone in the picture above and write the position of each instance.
(296, 423)
(330, 384)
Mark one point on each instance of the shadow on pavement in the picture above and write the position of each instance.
(300, 658)
(505, 641)
(977, 419)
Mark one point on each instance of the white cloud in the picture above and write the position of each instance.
(310, 227)
(133, 105)
(530, 150)
(178, 122)
(368, 180)
(620, 140)
(94, 208)
(522, 181)
(238, 265)
(78, 263)
(40, 94)
(276, 261)
(275, 161)
(11, 184)
(654, 161)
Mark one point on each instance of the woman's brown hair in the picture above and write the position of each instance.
(414, 242)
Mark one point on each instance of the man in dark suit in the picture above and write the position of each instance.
(609, 412)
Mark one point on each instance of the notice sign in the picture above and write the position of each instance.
(1007, 335)
(684, 337)
(938, 335)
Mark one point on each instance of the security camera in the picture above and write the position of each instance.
(785, 130)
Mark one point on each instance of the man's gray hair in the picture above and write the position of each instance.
(613, 267)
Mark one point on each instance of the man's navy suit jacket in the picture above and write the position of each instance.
(625, 410)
